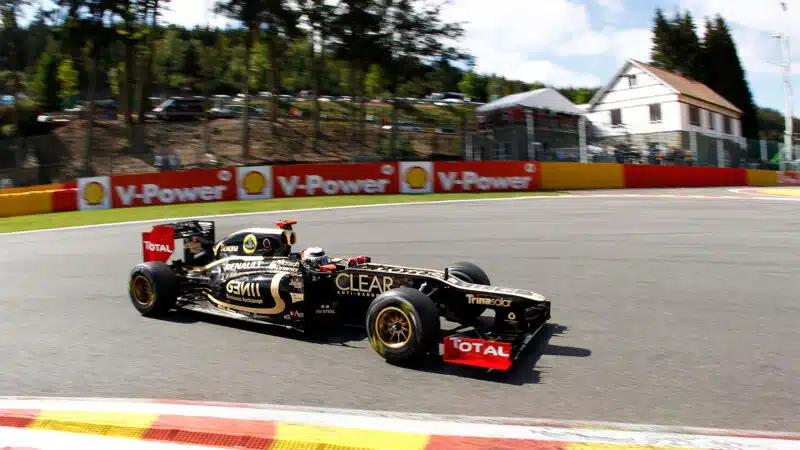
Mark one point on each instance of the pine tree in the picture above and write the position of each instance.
(725, 74)
(663, 53)
(690, 51)
(676, 46)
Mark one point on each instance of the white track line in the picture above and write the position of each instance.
(399, 204)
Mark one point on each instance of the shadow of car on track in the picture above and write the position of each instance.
(341, 336)
(523, 371)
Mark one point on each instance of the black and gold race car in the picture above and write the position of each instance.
(254, 275)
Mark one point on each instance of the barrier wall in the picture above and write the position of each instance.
(756, 177)
(26, 203)
(404, 177)
(565, 175)
(652, 176)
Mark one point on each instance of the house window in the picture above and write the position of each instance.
(655, 112)
(711, 117)
(694, 115)
(631, 80)
(728, 123)
(616, 117)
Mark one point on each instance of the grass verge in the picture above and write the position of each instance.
(77, 218)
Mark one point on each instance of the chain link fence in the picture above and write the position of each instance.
(187, 140)
(545, 136)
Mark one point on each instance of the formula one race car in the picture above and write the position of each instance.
(254, 275)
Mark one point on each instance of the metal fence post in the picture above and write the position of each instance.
(783, 156)
(529, 121)
(582, 139)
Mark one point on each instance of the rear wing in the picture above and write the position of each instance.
(197, 236)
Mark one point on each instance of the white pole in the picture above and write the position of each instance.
(787, 87)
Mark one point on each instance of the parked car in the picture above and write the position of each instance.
(180, 108)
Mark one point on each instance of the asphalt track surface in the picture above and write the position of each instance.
(666, 311)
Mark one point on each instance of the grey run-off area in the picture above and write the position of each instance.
(666, 311)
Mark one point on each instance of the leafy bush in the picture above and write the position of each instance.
(27, 119)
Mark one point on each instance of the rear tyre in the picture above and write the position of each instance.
(403, 326)
(153, 288)
(471, 273)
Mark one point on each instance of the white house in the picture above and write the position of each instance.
(651, 106)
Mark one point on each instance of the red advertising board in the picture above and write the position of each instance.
(653, 176)
(334, 179)
(485, 176)
(169, 188)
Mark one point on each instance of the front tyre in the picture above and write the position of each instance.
(403, 326)
(471, 273)
(153, 288)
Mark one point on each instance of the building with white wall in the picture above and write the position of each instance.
(651, 109)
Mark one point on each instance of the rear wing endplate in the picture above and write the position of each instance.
(197, 238)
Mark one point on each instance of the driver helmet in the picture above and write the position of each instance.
(314, 257)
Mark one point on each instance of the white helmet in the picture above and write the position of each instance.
(315, 257)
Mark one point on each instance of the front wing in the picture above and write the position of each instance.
(493, 350)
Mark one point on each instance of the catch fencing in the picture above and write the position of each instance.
(182, 142)
(552, 137)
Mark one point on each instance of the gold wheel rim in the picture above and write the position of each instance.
(393, 327)
(141, 290)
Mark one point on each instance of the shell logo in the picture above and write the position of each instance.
(254, 183)
(94, 193)
(416, 177)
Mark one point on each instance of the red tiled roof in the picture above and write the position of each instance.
(689, 88)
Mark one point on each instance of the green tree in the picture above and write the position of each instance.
(68, 79)
(11, 37)
(281, 20)
(494, 88)
(725, 74)
(84, 33)
(353, 28)
(147, 12)
(170, 56)
(584, 95)
(676, 46)
(664, 52)
(252, 14)
(468, 84)
(318, 16)
(690, 48)
(45, 86)
(413, 33)
(373, 82)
